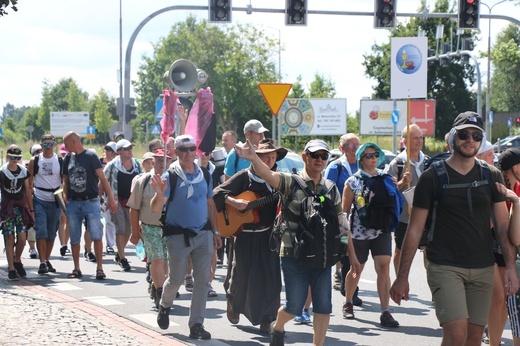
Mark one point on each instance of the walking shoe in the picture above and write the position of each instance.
(485, 335)
(116, 258)
(33, 254)
(12, 275)
(19, 269)
(188, 283)
(198, 332)
(110, 250)
(356, 301)
(306, 318)
(163, 317)
(277, 338)
(43, 269)
(232, 317)
(50, 268)
(63, 250)
(91, 257)
(124, 264)
(337, 281)
(148, 274)
(348, 311)
(212, 293)
(388, 321)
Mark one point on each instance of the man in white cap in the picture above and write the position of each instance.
(254, 132)
(190, 225)
(110, 228)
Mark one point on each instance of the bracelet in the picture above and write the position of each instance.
(31, 210)
(216, 232)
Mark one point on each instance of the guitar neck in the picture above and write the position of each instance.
(262, 201)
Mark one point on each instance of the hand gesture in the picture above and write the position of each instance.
(158, 184)
(247, 151)
(183, 115)
(508, 193)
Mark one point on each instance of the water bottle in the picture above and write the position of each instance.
(360, 200)
(139, 250)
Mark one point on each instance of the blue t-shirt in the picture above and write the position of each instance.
(81, 170)
(231, 159)
(190, 213)
(333, 169)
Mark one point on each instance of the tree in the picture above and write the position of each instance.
(236, 58)
(448, 85)
(505, 82)
(297, 90)
(322, 88)
(100, 112)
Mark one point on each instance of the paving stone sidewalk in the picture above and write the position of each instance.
(35, 315)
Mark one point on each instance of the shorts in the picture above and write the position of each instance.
(89, 210)
(513, 311)
(380, 246)
(14, 224)
(399, 234)
(121, 220)
(154, 243)
(47, 219)
(297, 279)
(461, 293)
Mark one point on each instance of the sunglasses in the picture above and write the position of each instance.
(48, 144)
(315, 156)
(370, 156)
(464, 135)
(185, 149)
(14, 158)
(128, 148)
(352, 145)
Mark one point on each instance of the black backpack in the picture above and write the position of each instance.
(317, 241)
(383, 203)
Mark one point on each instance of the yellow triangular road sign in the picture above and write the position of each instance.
(274, 94)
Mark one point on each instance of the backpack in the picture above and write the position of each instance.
(436, 158)
(317, 238)
(383, 203)
(401, 164)
(444, 186)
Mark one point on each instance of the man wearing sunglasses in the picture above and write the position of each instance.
(190, 230)
(45, 169)
(460, 256)
(119, 173)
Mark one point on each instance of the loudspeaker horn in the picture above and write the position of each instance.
(182, 75)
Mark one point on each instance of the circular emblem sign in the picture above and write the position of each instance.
(408, 59)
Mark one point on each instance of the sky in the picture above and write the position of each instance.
(55, 39)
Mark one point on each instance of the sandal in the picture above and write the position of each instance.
(100, 274)
(76, 274)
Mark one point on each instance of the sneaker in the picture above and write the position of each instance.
(348, 311)
(337, 281)
(277, 338)
(43, 269)
(485, 335)
(90, 257)
(306, 318)
(33, 254)
(110, 250)
(124, 265)
(50, 268)
(63, 250)
(212, 293)
(297, 319)
(356, 301)
(19, 269)
(116, 258)
(12, 275)
(388, 321)
(198, 332)
(163, 317)
(188, 283)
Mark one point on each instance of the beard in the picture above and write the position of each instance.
(457, 147)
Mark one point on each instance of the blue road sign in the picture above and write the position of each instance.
(1, 133)
(91, 130)
(158, 109)
(395, 116)
(509, 123)
(490, 117)
(156, 130)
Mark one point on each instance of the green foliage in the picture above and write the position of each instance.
(100, 112)
(353, 123)
(297, 90)
(449, 85)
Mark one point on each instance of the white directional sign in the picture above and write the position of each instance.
(63, 122)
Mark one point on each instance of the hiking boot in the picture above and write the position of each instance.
(124, 264)
(277, 338)
(63, 250)
(388, 321)
(19, 269)
(348, 311)
(356, 301)
(198, 332)
(12, 275)
(163, 317)
(50, 268)
(33, 254)
(43, 269)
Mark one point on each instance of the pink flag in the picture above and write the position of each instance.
(168, 121)
(200, 116)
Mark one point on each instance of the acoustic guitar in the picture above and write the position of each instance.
(230, 219)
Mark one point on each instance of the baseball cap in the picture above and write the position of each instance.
(63, 149)
(118, 134)
(508, 158)
(35, 148)
(14, 150)
(110, 146)
(315, 145)
(160, 153)
(147, 156)
(184, 140)
(123, 143)
(47, 137)
(468, 119)
(255, 126)
(485, 146)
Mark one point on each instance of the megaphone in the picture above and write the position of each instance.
(182, 75)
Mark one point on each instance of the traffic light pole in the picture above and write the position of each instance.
(250, 10)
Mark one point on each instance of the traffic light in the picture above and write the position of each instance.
(468, 44)
(384, 14)
(130, 112)
(469, 14)
(296, 12)
(220, 11)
